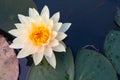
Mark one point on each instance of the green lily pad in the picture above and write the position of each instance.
(90, 65)
(112, 49)
(9, 10)
(9, 67)
(64, 69)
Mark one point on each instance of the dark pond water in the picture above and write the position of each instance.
(91, 21)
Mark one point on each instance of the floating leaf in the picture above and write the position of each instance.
(8, 61)
(112, 49)
(9, 10)
(64, 69)
(90, 65)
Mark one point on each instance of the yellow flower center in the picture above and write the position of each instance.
(39, 34)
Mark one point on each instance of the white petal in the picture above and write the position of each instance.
(57, 26)
(23, 19)
(51, 60)
(33, 12)
(24, 53)
(19, 40)
(54, 43)
(45, 13)
(14, 32)
(54, 34)
(61, 36)
(59, 48)
(30, 20)
(61, 42)
(56, 17)
(30, 12)
(37, 20)
(65, 27)
(48, 51)
(40, 49)
(20, 26)
(34, 15)
(50, 23)
(37, 57)
(16, 45)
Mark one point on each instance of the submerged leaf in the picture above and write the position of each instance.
(8, 61)
(112, 49)
(9, 10)
(64, 69)
(90, 65)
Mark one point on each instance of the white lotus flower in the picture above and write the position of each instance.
(39, 35)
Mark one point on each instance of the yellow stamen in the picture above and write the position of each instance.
(39, 34)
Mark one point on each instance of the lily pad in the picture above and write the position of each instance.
(112, 48)
(9, 68)
(90, 65)
(9, 10)
(64, 69)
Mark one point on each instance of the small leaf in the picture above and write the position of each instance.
(64, 68)
(90, 65)
(9, 10)
(112, 48)
(8, 62)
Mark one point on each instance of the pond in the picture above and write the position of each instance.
(91, 22)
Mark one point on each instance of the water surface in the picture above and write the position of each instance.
(91, 21)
